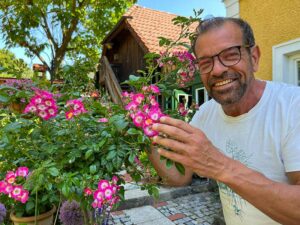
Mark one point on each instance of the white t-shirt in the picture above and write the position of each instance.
(266, 139)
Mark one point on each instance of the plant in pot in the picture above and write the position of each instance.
(14, 92)
(24, 197)
(68, 143)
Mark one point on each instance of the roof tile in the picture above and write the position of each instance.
(149, 24)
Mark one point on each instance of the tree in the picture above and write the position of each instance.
(61, 30)
(10, 66)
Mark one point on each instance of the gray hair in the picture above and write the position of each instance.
(215, 22)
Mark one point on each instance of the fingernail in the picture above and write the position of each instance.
(154, 139)
(154, 126)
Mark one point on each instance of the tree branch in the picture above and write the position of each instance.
(36, 53)
(47, 30)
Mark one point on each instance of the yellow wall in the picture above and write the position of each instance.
(273, 22)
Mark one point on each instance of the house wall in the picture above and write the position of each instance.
(273, 22)
(126, 56)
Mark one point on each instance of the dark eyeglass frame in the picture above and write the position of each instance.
(220, 60)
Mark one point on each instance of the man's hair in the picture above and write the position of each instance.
(216, 22)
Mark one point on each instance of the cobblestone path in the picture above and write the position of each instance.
(200, 208)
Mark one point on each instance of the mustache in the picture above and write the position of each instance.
(224, 76)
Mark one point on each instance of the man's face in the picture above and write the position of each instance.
(226, 84)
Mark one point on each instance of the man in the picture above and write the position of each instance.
(247, 137)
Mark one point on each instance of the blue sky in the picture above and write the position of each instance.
(185, 7)
(180, 7)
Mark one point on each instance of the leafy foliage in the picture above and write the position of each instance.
(57, 31)
(10, 66)
(66, 156)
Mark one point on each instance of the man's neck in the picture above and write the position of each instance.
(248, 101)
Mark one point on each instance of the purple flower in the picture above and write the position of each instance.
(70, 213)
(2, 213)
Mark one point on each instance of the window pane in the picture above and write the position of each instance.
(200, 95)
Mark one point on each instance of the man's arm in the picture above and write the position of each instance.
(192, 148)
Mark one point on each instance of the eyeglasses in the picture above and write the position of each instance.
(227, 57)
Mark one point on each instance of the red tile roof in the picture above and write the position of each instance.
(146, 25)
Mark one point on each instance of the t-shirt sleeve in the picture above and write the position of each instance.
(195, 122)
(291, 145)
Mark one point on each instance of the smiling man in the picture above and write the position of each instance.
(247, 136)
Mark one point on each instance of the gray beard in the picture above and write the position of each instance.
(233, 95)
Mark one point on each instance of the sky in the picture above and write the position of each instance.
(179, 7)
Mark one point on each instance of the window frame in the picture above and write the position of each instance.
(206, 98)
(285, 58)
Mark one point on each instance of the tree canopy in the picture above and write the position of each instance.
(10, 66)
(60, 32)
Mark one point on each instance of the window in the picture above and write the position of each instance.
(298, 71)
(286, 57)
(232, 8)
(201, 96)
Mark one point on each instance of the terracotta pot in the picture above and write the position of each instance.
(17, 107)
(43, 219)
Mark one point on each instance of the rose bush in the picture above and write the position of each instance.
(68, 143)
(71, 144)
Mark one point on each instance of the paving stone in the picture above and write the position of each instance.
(176, 216)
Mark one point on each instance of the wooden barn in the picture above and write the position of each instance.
(135, 35)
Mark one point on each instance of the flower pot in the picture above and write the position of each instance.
(17, 107)
(43, 219)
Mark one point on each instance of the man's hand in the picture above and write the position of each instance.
(190, 147)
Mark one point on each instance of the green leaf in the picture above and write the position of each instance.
(65, 190)
(88, 153)
(119, 122)
(93, 169)
(53, 171)
(141, 138)
(180, 168)
(133, 78)
(131, 157)
(61, 132)
(101, 143)
(133, 131)
(12, 127)
(112, 154)
(29, 206)
(4, 98)
(169, 163)
(164, 41)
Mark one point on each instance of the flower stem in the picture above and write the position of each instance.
(57, 210)
(35, 210)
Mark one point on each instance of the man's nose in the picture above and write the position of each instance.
(218, 68)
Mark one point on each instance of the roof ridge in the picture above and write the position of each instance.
(143, 7)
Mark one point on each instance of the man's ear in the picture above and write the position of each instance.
(255, 56)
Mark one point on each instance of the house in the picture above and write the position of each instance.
(276, 26)
(124, 47)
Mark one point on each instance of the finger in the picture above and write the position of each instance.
(174, 132)
(171, 144)
(178, 123)
(173, 156)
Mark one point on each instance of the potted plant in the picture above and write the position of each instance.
(14, 92)
(67, 146)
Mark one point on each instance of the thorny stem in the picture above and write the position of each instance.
(60, 200)
(35, 210)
